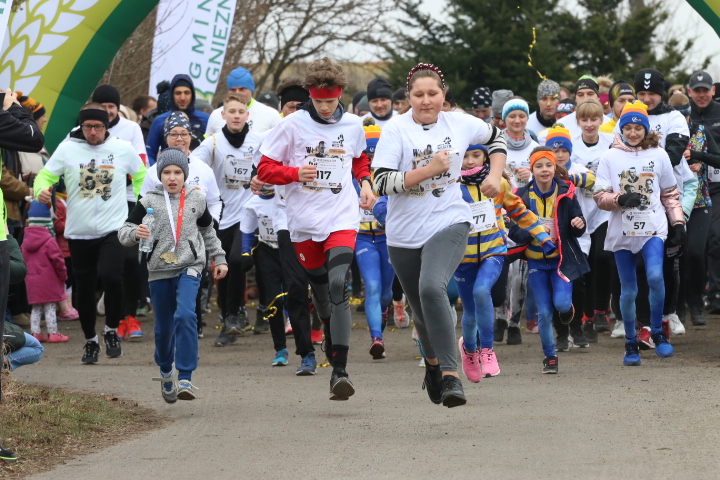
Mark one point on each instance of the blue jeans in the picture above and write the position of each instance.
(531, 312)
(176, 337)
(378, 275)
(551, 293)
(653, 253)
(475, 282)
(32, 352)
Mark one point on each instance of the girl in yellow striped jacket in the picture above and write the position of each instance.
(483, 261)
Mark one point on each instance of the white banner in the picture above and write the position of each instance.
(191, 38)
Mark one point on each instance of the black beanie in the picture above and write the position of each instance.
(106, 94)
(649, 80)
(95, 114)
(379, 88)
(586, 81)
(294, 93)
(618, 89)
(400, 94)
(358, 97)
(183, 83)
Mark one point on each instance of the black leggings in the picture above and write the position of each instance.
(231, 289)
(270, 272)
(692, 264)
(101, 258)
(597, 281)
(295, 279)
(397, 290)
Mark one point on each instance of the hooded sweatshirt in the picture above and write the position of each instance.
(198, 120)
(46, 272)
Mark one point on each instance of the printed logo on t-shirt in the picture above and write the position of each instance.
(194, 182)
(642, 183)
(96, 180)
(339, 142)
(650, 167)
(446, 145)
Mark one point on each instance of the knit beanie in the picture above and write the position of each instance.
(477, 147)
(515, 104)
(499, 97)
(363, 105)
(294, 93)
(379, 88)
(106, 94)
(240, 77)
(39, 215)
(481, 98)
(164, 100)
(176, 119)
(203, 105)
(559, 137)
(269, 99)
(173, 156)
(587, 82)
(618, 89)
(372, 136)
(649, 80)
(400, 94)
(356, 98)
(33, 106)
(634, 112)
(548, 88)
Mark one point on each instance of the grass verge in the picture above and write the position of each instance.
(45, 426)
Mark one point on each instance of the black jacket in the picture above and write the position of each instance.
(709, 117)
(675, 144)
(573, 262)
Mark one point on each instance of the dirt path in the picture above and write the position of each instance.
(597, 419)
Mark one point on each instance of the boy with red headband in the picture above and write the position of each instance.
(316, 153)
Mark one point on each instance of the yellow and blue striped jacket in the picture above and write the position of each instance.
(494, 241)
(542, 205)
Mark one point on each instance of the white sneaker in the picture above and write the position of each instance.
(618, 329)
(422, 363)
(400, 314)
(101, 305)
(676, 326)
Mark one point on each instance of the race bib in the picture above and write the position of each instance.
(267, 232)
(366, 216)
(238, 171)
(445, 179)
(713, 174)
(483, 214)
(329, 172)
(550, 224)
(639, 223)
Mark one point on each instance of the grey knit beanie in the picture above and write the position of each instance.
(548, 88)
(173, 156)
(499, 97)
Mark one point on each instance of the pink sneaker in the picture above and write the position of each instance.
(532, 326)
(40, 337)
(58, 338)
(70, 314)
(488, 360)
(377, 349)
(470, 363)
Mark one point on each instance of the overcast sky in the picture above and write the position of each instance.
(684, 22)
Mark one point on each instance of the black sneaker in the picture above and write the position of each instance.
(92, 350)
(113, 349)
(7, 455)
(578, 339)
(514, 336)
(261, 325)
(341, 388)
(452, 394)
(233, 325)
(550, 365)
(566, 317)
(500, 327)
(589, 331)
(243, 320)
(326, 345)
(225, 339)
(714, 305)
(601, 323)
(697, 318)
(200, 327)
(433, 383)
(562, 344)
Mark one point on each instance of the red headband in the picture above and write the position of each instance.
(425, 66)
(326, 92)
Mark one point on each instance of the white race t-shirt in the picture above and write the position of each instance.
(589, 158)
(569, 122)
(201, 178)
(260, 214)
(217, 152)
(261, 118)
(381, 123)
(518, 159)
(416, 215)
(314, 213)
(281, 213)
(647, 173)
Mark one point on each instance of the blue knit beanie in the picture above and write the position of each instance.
(477, 147)
(240, 77)
(515, 104)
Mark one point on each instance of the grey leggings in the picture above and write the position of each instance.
(424, 274)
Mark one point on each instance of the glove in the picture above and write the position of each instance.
(678, 236)
(630, 200)
(246, 262)
(549, 248)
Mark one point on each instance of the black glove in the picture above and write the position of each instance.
(246, 262)
(678, 236)
(630, 200)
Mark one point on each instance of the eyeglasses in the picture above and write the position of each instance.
(174, 136)
(97, 128)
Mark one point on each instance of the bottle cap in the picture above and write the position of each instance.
(150, 210)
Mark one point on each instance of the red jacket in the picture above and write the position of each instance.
(46, 273)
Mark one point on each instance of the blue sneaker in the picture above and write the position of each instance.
(663, 349)
(632, 353)
(307, 366)
(280, 358)
(168, 389)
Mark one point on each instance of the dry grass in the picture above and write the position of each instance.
(45, 426)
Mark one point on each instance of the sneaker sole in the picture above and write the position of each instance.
(90, 361)
(305, 373)
(235, 331)
(603, 328)
(632, 363)
(550, 372)
(169, 400)
(186, 395)
(451, 401)
(113, 355)
(135, 338)
(279, 364)
(342, 390)
(377, 351)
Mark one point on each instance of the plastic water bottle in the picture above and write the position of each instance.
(146, 244)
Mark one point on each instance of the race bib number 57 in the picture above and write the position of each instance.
(639, 223)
